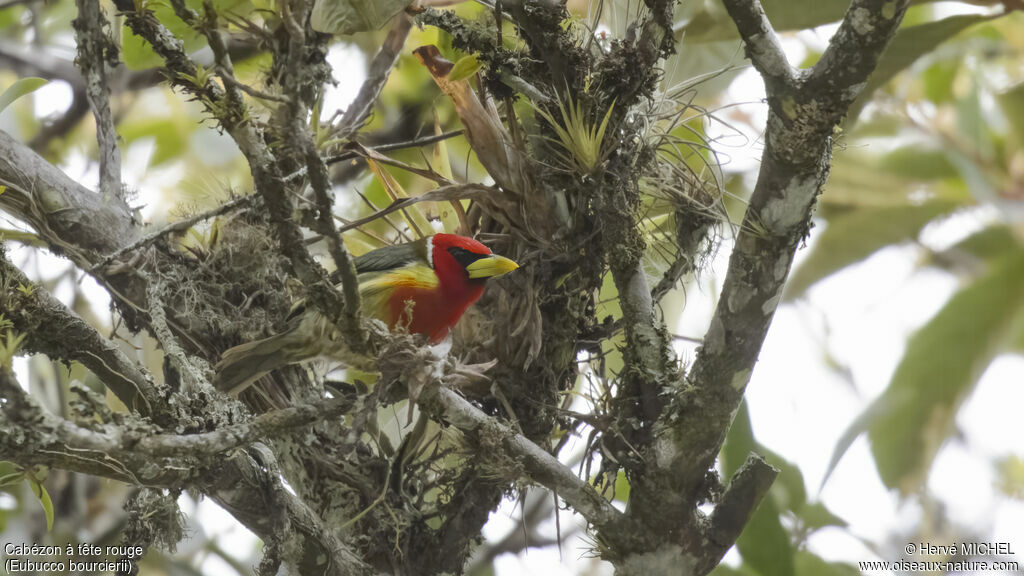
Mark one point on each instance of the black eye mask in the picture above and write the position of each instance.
(464, 257)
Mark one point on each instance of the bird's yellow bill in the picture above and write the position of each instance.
(491, 266)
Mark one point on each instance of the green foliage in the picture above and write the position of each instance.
(137, 54)
(351, 16)
(808, 564)
(580, 136)
(20, 88)
(942, 363)
(1011, 103)
(709, 22)
(12, 474)
(910, 44)
(169, 136)
(853, 236)
(1011, 476)
(464, 68)
(44, 499)
(9, 348)
(766, 545)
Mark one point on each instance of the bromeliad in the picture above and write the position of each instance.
(425, 286)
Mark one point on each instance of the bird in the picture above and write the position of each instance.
(424, 286)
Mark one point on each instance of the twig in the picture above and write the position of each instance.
(415, 143)
(229, 78)
(34, 313)
(93, 48)
(294, 15)
(192, 379)
(541, 466)
(343, 262)
(359, 110)
(453, 192)
(179, 226)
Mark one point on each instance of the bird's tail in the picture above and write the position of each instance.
(242, 365)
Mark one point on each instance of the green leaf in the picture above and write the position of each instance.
(169, 135)
(709, 22)
(10, 473)
(907, 46)
(859, 425)
(918, 162)
(803, 14)
(987, 244)
(739, 443)
(855, 235)
(20, 88)
(938, 79)
(788, 490)
(816, 515)
(351, 16)
(764, 543)
(942, 363)
(464, 68)
(44, 498)
(1011, 102)
(1011, 476)
(10, 15)
(808, 564)
(726, 570)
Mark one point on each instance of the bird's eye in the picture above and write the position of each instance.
(464, 257)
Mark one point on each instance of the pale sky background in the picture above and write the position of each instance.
(799, 406)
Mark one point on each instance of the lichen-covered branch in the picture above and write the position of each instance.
(53, 329)
(69, 217)
(176, 227)
(541, 467)
(129, 454)
(94, 51)
(762, 43)
(795, 164)
(35, 437)
(748, 486)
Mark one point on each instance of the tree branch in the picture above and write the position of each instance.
(71, 218)
(380, 69)
(175, 227)
(762, 44)
(53, 329)
(749, 485)
(852, 53)
(93, 50)
(134, 445)
(794, 167)
(267, 425)
(37, 437)
(542, 467)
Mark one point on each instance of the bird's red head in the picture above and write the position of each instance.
(464, 264)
